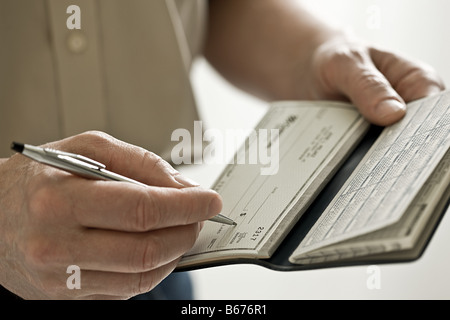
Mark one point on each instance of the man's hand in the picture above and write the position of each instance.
(277, 50)
(125, 238)
(378, 82)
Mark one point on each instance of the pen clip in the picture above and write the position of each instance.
(76, 159)
(89, 161)
(78, 162)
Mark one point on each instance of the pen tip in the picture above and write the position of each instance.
(18, 147)
(234, 224)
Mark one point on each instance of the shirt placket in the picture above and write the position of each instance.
(78, 67)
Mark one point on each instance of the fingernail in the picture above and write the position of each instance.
(215, 206)
(388, 108)
(187, 182)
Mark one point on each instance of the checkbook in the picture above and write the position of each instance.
(344, 192)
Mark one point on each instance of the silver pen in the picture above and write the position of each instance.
(84, 167)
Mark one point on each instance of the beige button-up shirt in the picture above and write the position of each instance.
(125, 72)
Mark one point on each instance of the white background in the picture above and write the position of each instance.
(417, 28)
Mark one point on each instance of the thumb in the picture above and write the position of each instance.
(354, 74)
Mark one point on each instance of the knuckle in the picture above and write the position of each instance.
(189, 209)
(88, 143)
(146, 282)
(369, 80)
(193, 235)
(147, 214)
(45, 274)
(157, 163)
(38, 253)
(140, 220)
(418, 81)
(150, 157)
(345, 57)
(147, 255)
(424, 75)
(336, 62)
(413, 76)
(53, 286)
(419, 88)
(41, 201)
(96, 137)
(418, 73)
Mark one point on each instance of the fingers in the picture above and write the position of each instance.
(126, 207)
(376, 82)
(373, 95)
(107, 285)
(411, 79)
(112, 251)
(123, 206)
(73, 221)
(115, 285)
(134, 253)
(130, 235)
(350, 71)
(111, 263)
(125, 159)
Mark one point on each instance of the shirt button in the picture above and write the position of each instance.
(77, 42)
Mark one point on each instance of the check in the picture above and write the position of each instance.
(314, 138)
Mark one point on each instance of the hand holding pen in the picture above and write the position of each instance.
(125, 238)
(87, 168)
